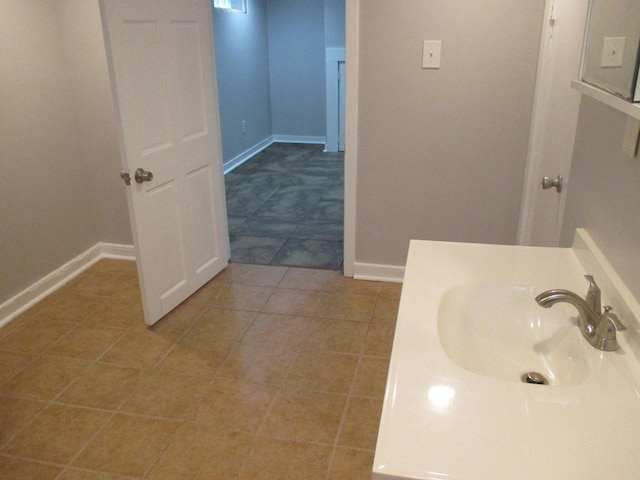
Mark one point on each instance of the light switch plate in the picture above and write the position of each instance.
(431, 53)
(612, 52)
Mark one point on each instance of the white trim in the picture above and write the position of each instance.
(298, 139)
(351, 134)
(238, 160)
(62, 275)
(333, 57)
(378, 273)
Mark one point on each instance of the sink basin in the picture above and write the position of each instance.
(468, 327)
(500, 331)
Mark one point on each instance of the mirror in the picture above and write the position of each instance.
(611, 47)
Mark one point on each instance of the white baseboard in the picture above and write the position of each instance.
(238, 160)
(298, 139)
(62, 275)
(379, 273)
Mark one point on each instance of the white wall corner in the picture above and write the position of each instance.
(378, 273)
(59, 277)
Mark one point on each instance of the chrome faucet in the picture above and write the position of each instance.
(597, 327)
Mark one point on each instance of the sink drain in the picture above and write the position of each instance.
(535, 378)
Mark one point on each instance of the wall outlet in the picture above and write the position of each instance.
(613, 52)
(431, 53)
(243, 127)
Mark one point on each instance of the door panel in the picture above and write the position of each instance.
(162, 72)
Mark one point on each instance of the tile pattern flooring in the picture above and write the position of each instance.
(285, 207)
(264, 373)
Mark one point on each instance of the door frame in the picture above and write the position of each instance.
(540, 129)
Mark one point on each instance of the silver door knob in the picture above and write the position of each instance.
(548, 182)
(143, 176)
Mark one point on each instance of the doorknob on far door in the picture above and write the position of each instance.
(143, 176)
(548, 182)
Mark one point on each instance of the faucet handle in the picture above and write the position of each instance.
(608, 314)
(593, 295)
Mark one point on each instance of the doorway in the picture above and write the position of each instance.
(284, 177)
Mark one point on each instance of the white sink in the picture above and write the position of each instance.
(501, 332)
(468, 327)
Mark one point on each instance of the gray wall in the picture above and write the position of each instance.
(603, 195)
(334, 23)
(57, 193)
(296, 66)
(242, 64)
(442, 152)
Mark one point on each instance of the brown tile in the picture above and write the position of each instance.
(202, 453)
(293, 302)
(57, 434)
(35, 335)
(71, 307)
(117, 313)
(12, 362)
(112, 265)
(234, 405)
(242, 297)
(336, 335)
(205, 294)
(346, 306)
(165, 395)
(304, 416)
(308, 279)
(349, 464)
(45, 377)
(77, 474)
(102, 386)
(15, 413)
(380, 340)
(390, 289)
(260, 275)
(14, 324)
(178, 321)
(140, 349)
(277, 330)
(102, 284)
(195, 358)
(86, 342)
(360, 428)
(16, 468)
(258, 363)
(322, 371)
(386, 309)
(344, 284)
(218, 325)
(273, 459)
(371, 379)
(127, 445)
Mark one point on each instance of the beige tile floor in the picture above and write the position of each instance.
(264, 373)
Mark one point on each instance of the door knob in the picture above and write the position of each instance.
(548, 182)
(143, 176)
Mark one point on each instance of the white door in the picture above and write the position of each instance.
(554, 121)
(161, 65)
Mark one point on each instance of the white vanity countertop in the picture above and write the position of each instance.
(440, 421)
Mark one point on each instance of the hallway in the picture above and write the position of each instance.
(285, 207)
